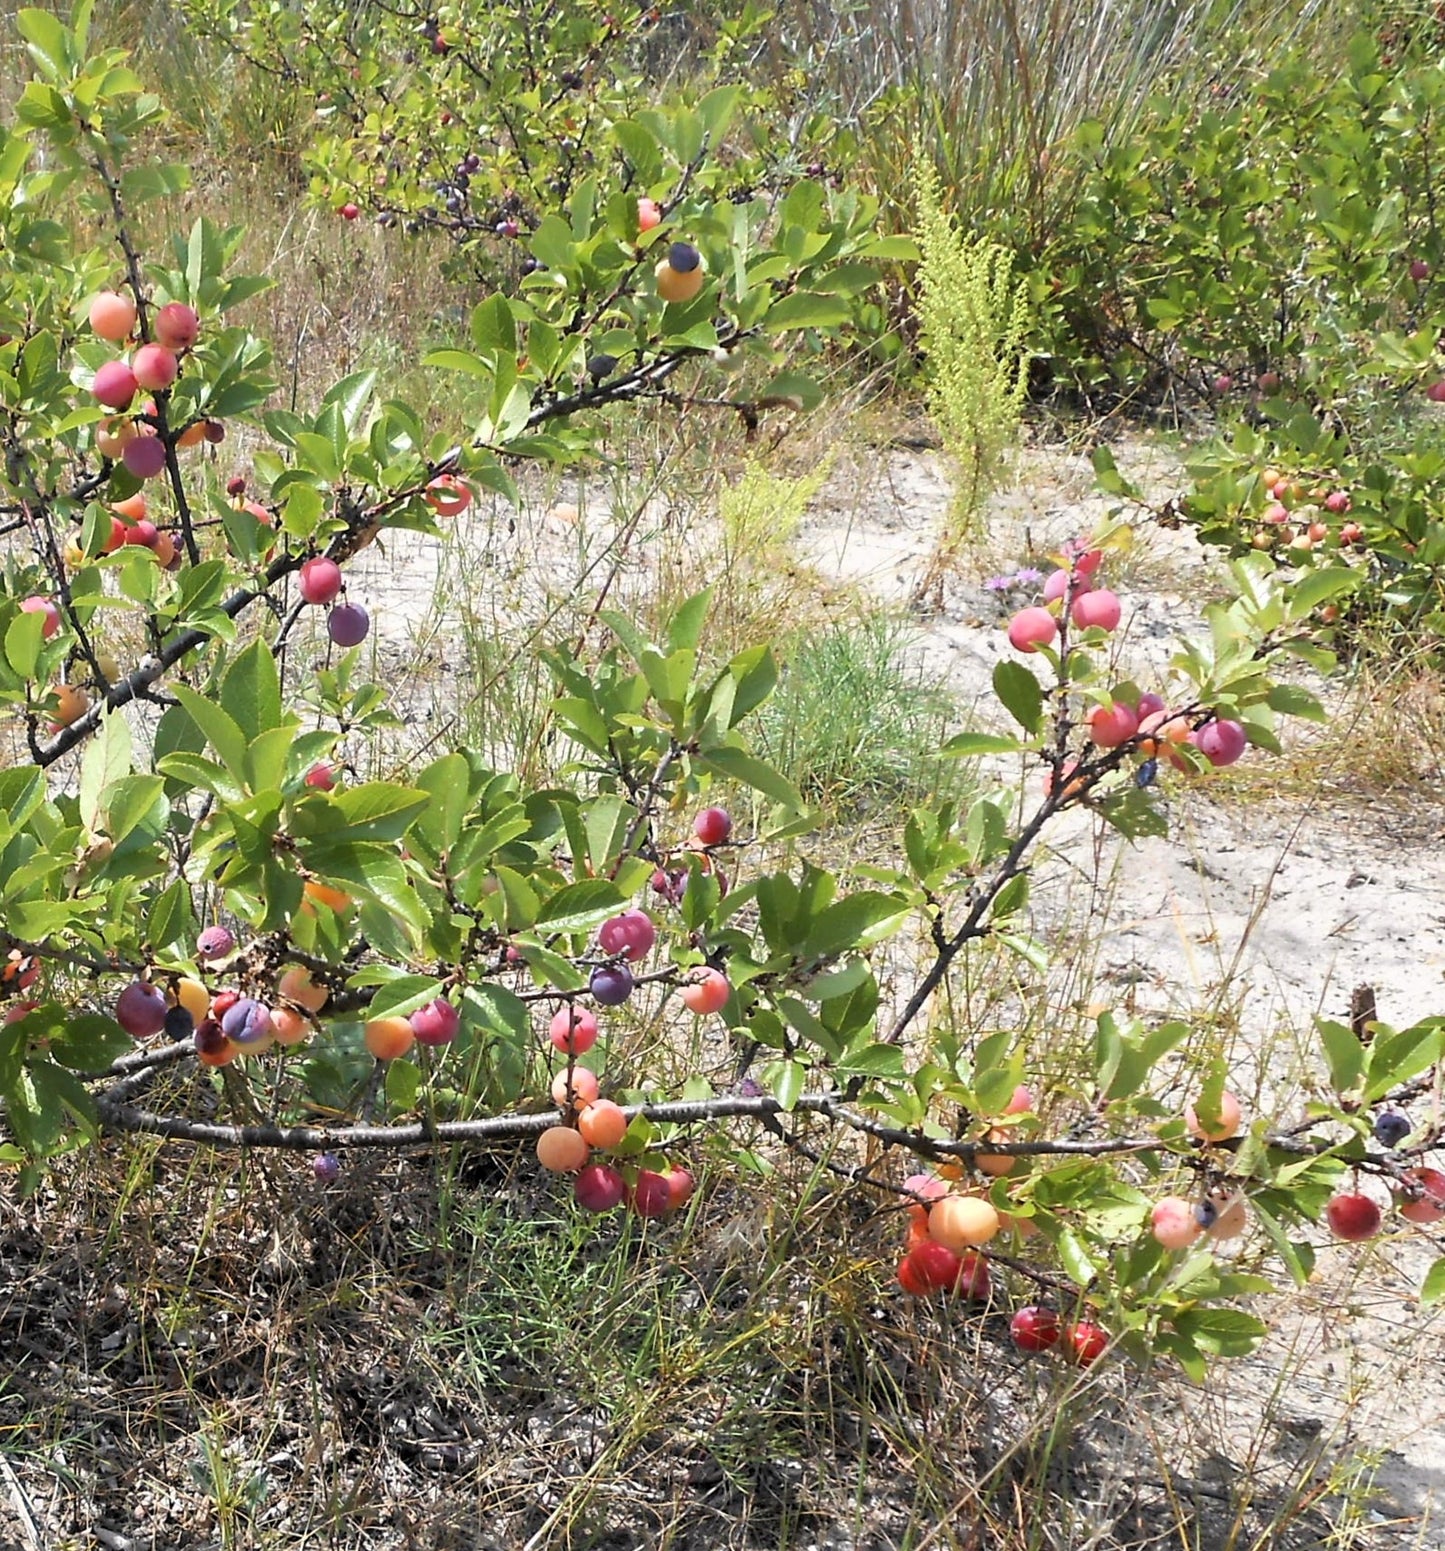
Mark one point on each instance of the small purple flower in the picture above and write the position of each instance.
(999, 583)
(1027, 576)
(748, 1088)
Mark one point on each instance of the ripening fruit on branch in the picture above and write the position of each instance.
(1056, 584)
(680, 1187)
(319, 580)
(388, 1038)
(347, 624)
(320, 778)
(1099, 609)
(1392, 1126)
(247, 1023)
(573, 1030)
(44, 607)
(562, 1150)
(962, 1222)
(212, 1046)
(349, 212)
(1426, 1202)
(1353, 1217)
(289, 1026)
(602, 1123)
(296, 985)
(141, 1009)
(193, 996)
(176, 326)
(438, 1023)
(713, 826)
(1221, 742)
(926, 1187)
(71, 703)
(1110, 726)
(1174, 1224)
(649, 214)
(650, 1195)
(1220, 1127)
(599, 1188)
(1085, 1342)
(680, 276)
(996, 1164)
(215, 942)
(155, 368)
(611, 984)
(1222, 1215)
(114, 385)
(1032, 628)
(577, 1092)
(630, 934)
(706, 994)
(1035, 1329)
(144, 456)
(112, 316)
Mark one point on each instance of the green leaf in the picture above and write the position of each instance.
(403, 1084)
(1021, 695)
(458, 361)
(788, 1078)
(1319, 587)
(580, 906)
(1077, 1262)
(23, 641)
(220, 730)
(378, 810)
(131, 801)
(171, 918)
(88, 1043)
(251, 690)
(750, 771)
(968, 745)
(107, 758)
(1344, 1052)
(806, 310)
(403, 995)
(447, 783)
(1432, 1289)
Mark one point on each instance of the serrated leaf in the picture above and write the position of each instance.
(378, 810)
(580, 906)
(404, 995)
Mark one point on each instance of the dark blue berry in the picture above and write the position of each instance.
(179, 1023)
(1205, 1213)
(1144, 775)
(683, 257)
(1392, 1127)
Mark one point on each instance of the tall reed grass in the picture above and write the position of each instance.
(992, 88)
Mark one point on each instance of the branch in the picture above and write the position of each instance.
(123, 1116)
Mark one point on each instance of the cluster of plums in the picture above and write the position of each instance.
(944, 1253)
(1142, 722)
(152, 367)
(589, 1121)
